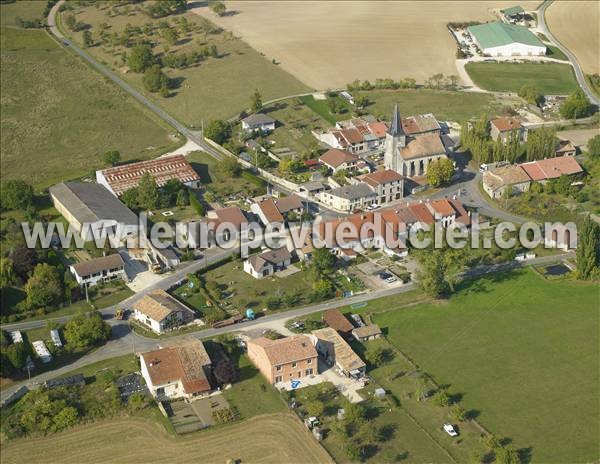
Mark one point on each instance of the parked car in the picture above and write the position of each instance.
(385, 275)
(390, 279)
(450, 430)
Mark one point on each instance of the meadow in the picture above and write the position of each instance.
(548, 78)
(59, 117)
(216, 88)
(522, 354)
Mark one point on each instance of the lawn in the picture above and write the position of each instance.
(548, 78)
(555, 52)
(511, 345)
(252, 395)
(61, 116)
(24, 9)
(240, 290)
(216, 88)
(321, 107)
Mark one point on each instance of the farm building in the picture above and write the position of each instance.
(178, 371)
(551, 168)
(496, 181)
(336, 351)
(283, 360)
(514, 12)
(92, 210)
(99, 270)
(161, 312)
(368, 332)
(268, 263)
(501, 39)
(119, 179)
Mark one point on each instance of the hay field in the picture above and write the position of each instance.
(328, 44)
(265, 439)
(577, 25)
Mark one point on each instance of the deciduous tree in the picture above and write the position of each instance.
(44, 287)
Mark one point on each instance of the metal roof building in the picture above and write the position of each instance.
(501, 39)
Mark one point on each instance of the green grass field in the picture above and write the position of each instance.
(548, 78)
(522, 352)
(216, 88)
(59, 116)
(24, 9)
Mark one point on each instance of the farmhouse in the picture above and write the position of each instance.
(119, 179)
(410, 155)
(161, 312)
(336, 351)
(349, 197)
(179, 371)
(501, 39)
(388, 185)
(337, 160)
(506, 129)
(92, 210)
(268, 262)
(99, 270)
(367, 332)
(283, 360)
(551, 168)
(258, 122)
(496, 181)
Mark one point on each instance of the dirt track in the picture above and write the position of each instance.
(330, 43)
(576, 24)
(265, 439)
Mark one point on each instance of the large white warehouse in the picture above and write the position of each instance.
(501, 39)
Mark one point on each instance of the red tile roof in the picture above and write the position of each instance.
(286, 350)
(163, 169)
(551, 168)
(336, 320)
(270, 211)
(506, 124)
(377, 178)
(422, 213)
(335, 157)
(443, 207)
(286, 204)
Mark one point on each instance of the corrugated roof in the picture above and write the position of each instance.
(497, 34)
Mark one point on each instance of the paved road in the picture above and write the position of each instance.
(579, 74)
(124, 341)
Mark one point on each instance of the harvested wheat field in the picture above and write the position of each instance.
(577, 25)
(264, 439)
(330, 43)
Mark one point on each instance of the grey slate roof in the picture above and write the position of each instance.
(258, 119)
(89, 202)
(396, 126)
(353, 191)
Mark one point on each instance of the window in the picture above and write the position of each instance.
(309, 361)
(309, 371)
(294, 364)
(278, 379)
(277, 368)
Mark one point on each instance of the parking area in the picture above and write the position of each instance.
(377, 275)
(196, 415)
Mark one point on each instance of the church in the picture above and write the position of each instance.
(409, 151)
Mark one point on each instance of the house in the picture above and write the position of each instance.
(337, 321)
(349, 197)
(410, 155)
(421, 124)
(161, 312)
(267, 211)
(496, 181)
(268, 262)
(99, 270)
(178, 371)
(119, 179)
(290, 205)
(312, 188)
(283, 360)
(367, 332)
(335, 351)
(551, 168)
(506, 129)
(93, 211)
(501, 39)
(442, 211)
(258, 122)
(565, 148)
(388, 185)
(357, 135)
(221, 225)
(338, 160)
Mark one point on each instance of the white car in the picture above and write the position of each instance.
(390, 280)
(449, 429)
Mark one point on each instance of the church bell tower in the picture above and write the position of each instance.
(395, 139)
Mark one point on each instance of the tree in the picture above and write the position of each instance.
(112, 157)
(315, 408)
(507, 455)
(256, 101)
(87, 38)
(440, 172)
(458, 413)
(323, 261)
(593, 146)
(7, 273)
(86, 330)
(588, 249)
(530, 94)
(218, 8)
(322, 288)
(155, 80)
(44, 287)
(183, 198)
(16, 354)
(140, 58)
(230, 167)
(170, 35)
(379, 356)
(147, 192)
(356, 414)
(197, 204)
(576, 106)
(225, 372)
(540, 144)
(441, 398)
(70, 22)
(218, 131)
(16, 194)
(67, 417)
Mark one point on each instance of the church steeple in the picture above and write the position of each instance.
(395, 139)
(396, 126)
